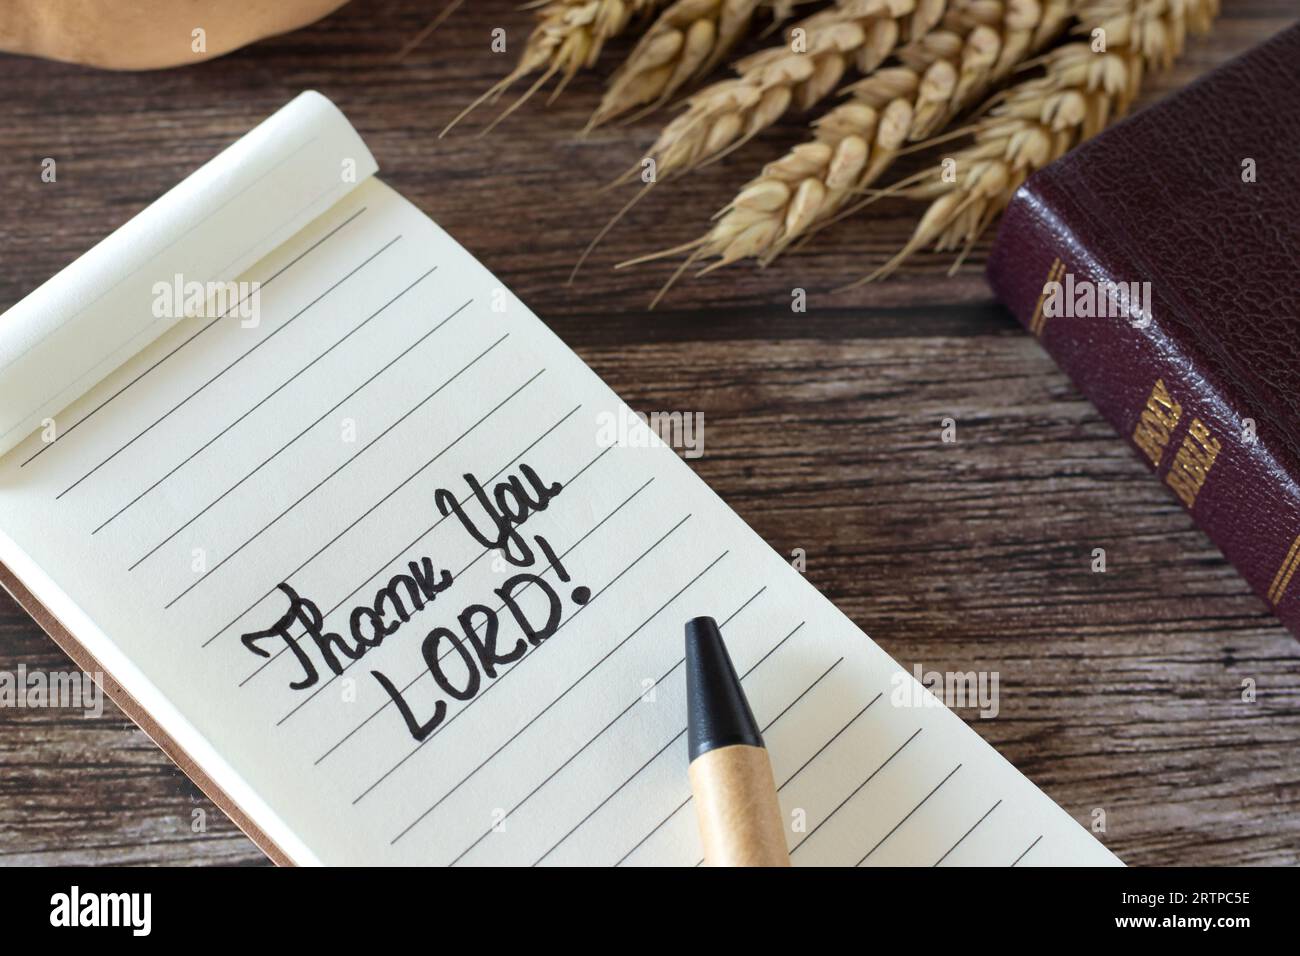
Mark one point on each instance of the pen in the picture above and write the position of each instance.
(731, 776)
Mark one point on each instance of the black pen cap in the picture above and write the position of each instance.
(717, 713)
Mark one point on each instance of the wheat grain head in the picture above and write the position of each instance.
(854, 143)
(687, 40)
(800, 73)
(1080, 92)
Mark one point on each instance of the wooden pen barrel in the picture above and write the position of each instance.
(735, 802)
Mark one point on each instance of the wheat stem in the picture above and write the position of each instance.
(427, 30)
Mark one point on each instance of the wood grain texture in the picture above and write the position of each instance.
(1119, 691)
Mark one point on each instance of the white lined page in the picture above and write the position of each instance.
(575, 752)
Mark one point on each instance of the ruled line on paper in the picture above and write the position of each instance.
(653, 757)
(908, 815)
(349, 461)
(834, 737)
(261, 284)
(807, 690)
(514, 668)
(969, 832)
(533, 720)
(260, 343)
(387, 366)
(856, 790)
(270, 395)
(478, 557)
(653, 830)
(365, 514)
(1027, 849)
(153, 255)
(660, 752)
(677, 809)
(416, 540)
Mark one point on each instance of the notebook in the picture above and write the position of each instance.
(398, 580)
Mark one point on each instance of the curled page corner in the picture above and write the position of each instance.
(82, 324)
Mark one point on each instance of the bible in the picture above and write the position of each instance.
(1157, 264)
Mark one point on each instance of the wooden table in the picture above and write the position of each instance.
(1119, 690)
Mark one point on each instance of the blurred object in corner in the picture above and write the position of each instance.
(147, 34)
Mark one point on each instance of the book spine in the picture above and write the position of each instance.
(1102, 323)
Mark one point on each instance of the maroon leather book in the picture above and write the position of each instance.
(1159, 265)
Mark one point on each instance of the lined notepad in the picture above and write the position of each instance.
(369, 555)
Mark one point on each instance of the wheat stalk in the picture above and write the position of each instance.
(687, 40)
(724, 115)
(569, 36)
(424, 33)
(943, 72)
(1039, 120)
